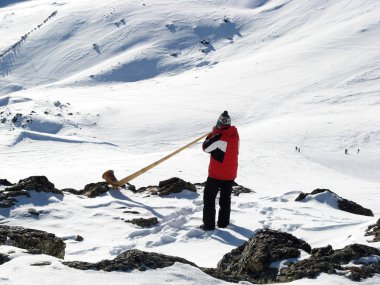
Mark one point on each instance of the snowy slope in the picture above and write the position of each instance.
(119, 84)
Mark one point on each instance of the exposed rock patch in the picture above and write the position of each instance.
(143, 222)
(95, 189)
(36, 183)
(130, 260)
(3, 258)
(33, 183)
(169, 186)
(91, 190)
(333, 262)
(42, 263)
(5, 182)
(374, 230)
(35, 241)
(239, 189)
(343, 204)
(236, 188)
(252, 260)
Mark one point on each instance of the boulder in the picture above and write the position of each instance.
(22, 188)
(95, 189)
(236, 188)
(144, 222)
(374, 230)
(41, 263)
(332, 262)
(35, 241)
(239, 189)
(7, 197)
(36, 183)
(91, 190)
(343, 204)
(322, 251)
(5, 182)
(169, 186)
(131, 260)
(3, 258)
(252, 260)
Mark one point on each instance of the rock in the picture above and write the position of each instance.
(91, 190)
(130, 260)
(169, 186)
(36, 242)
(95, 189)
(239, 189)
(36, 183)
(5, 182)
(343, 204)
(236, 188)
(34, 212)
(330, 264)
(3, 258)
(73, 191)
(33, 183)
(322, 251)
(42, 263)
(374, 230)
(7, 197)
(131, 212)
(6, 202)
(144, 223)
(357, 273)
(252, 260)
(79, 238)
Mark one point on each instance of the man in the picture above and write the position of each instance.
(223, 145)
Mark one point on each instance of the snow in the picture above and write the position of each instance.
(120, 84)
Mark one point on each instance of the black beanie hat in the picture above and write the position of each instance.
(224, 120)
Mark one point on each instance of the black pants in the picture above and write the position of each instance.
(211, 190)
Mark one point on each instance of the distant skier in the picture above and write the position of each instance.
(346, 151)
(297, 148)
(358, 151)
(223, 145)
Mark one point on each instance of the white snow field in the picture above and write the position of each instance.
(119, 84)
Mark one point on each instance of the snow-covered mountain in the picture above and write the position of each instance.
(87, 86)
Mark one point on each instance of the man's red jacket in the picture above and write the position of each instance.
(223, 145)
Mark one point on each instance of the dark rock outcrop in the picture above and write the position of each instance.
(35, 241)
(255, 260)
(5, 182)
(36, 183)
(130, 260)
(22, 188)
(3, 258)
(95, 189)
(322, 251)
(332, 263)
(42, 263)
(236, 188)
(343, 204)
(143, 222)
(169, 186)
(374, 230)
(239, 189)
(91, 190)
(252, 260)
